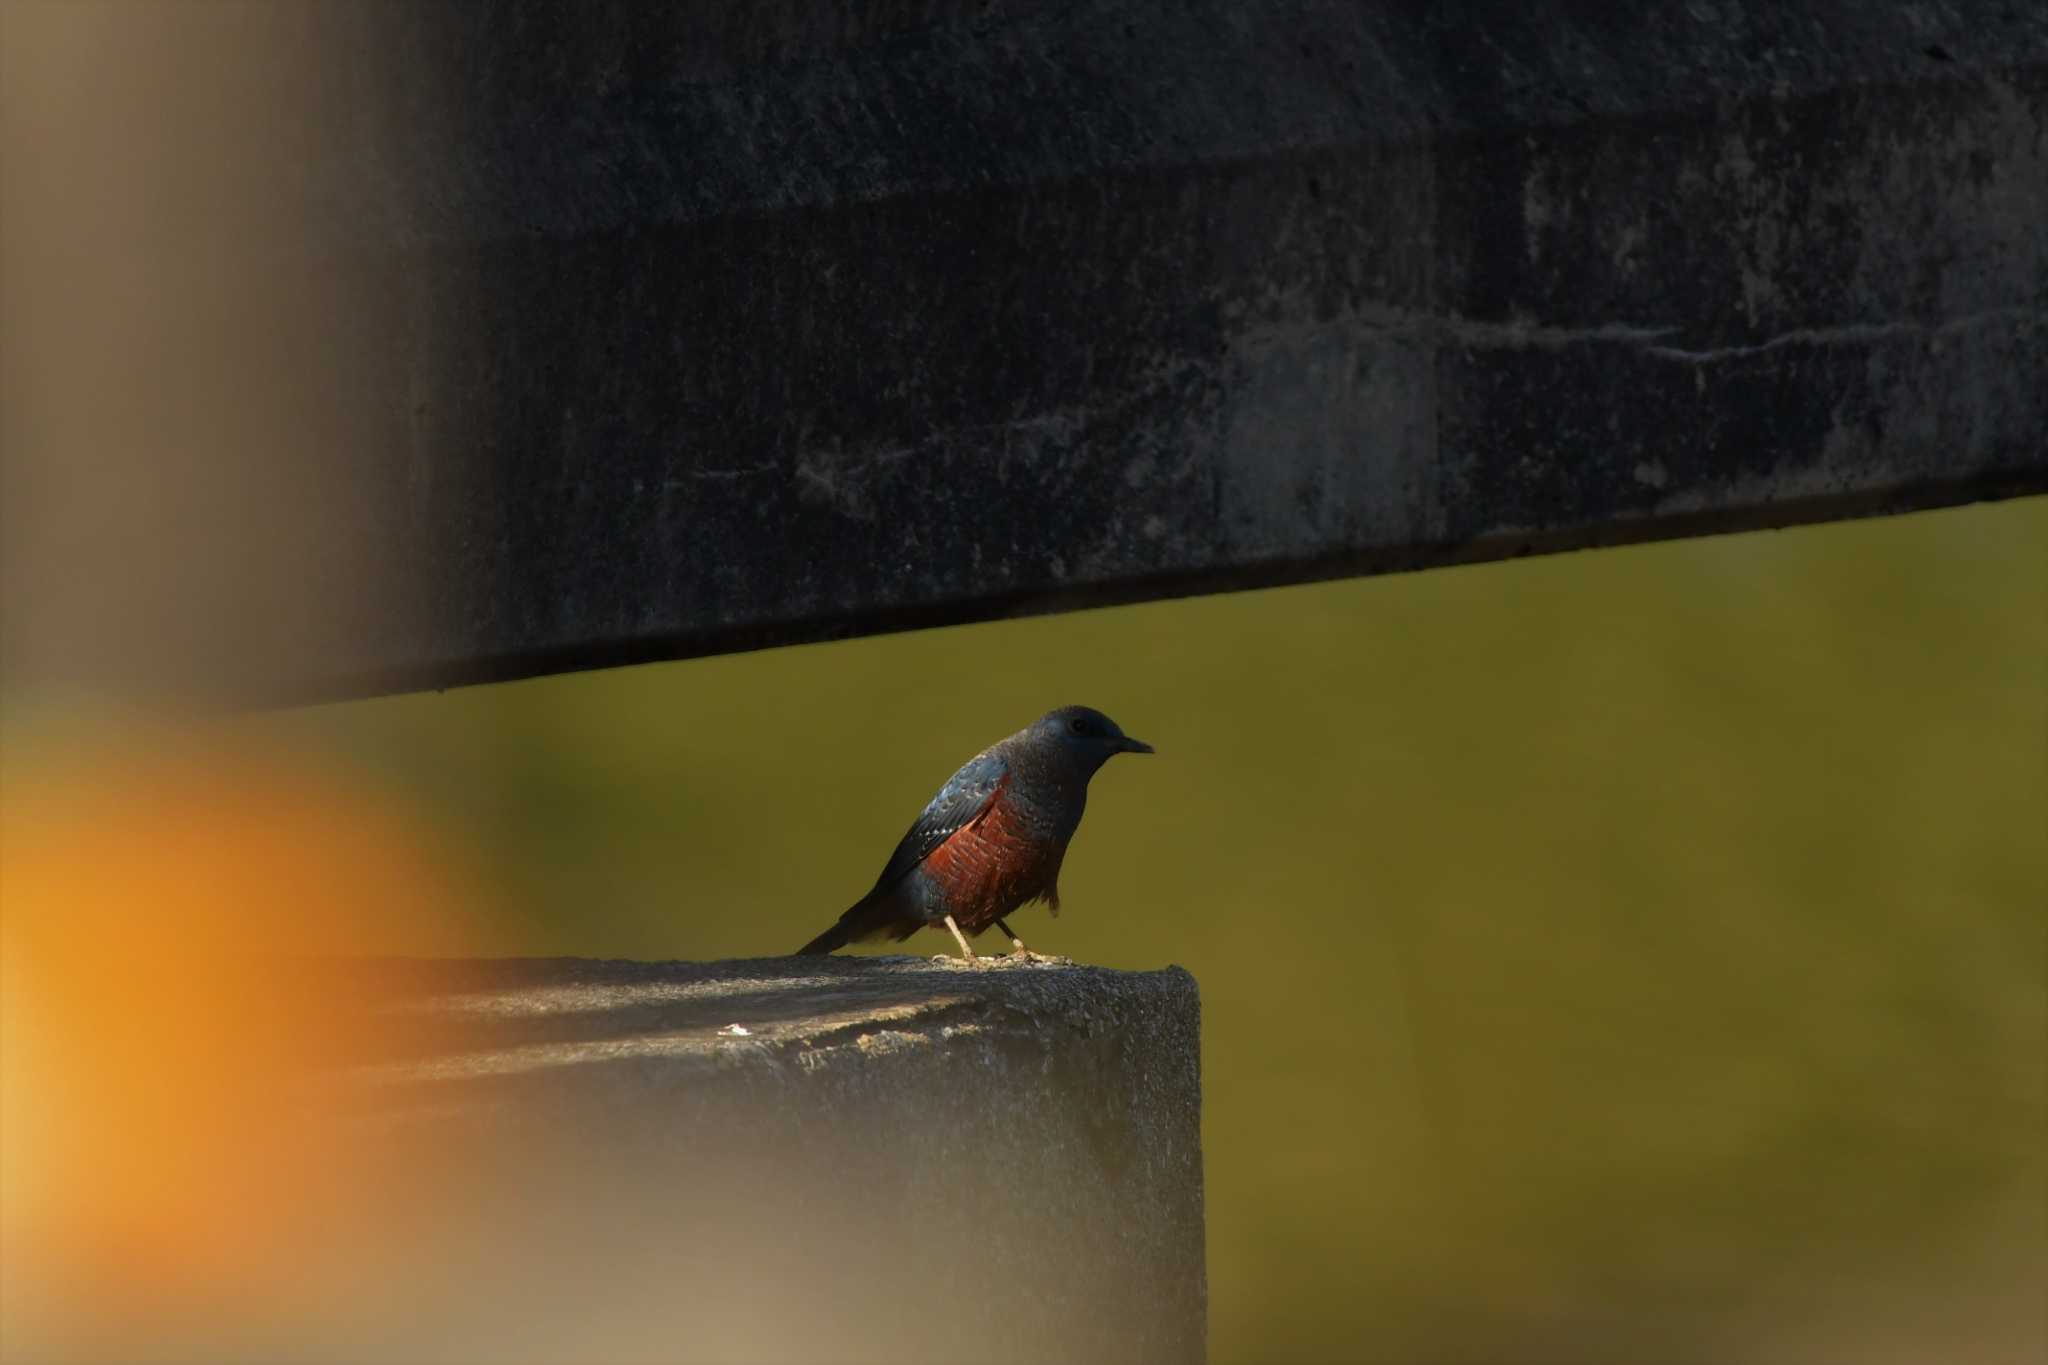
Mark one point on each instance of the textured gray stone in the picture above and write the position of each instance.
(625, 331)
(803, 1160)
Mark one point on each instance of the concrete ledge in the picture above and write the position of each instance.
(788, 1159)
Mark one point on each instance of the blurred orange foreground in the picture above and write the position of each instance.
(168, 1176)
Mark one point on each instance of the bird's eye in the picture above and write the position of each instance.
(1078, 726)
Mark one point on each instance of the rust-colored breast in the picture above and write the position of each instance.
(993, 866)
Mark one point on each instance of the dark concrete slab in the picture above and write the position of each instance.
(649, 331)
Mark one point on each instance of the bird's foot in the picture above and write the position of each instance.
(966, 949)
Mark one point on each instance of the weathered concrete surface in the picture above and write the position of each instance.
(656, 330)
(779, 1160)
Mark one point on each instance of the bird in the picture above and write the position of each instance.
(993, 839)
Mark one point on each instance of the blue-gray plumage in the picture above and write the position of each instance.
(993, 838)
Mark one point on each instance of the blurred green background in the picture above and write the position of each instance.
(1628, 955)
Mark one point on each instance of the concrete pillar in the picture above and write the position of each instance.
(811, 1160)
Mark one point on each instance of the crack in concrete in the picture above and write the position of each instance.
(1524, 334)
(1848, 334)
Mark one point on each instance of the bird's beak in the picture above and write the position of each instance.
(1127, 745)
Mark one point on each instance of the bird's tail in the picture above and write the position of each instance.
(865, 918)
(834, 938)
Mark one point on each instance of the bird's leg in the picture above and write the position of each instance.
(960, 938)
(1015, 942)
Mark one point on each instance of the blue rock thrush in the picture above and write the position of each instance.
(992, 839)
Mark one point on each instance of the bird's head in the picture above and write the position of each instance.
(1089, 736)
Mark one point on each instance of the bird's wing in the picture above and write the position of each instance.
(964, 799)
